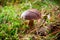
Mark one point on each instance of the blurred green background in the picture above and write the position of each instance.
(10, 11)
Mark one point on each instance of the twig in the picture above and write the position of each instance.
(54, 32)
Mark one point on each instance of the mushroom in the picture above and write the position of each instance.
(31, 15)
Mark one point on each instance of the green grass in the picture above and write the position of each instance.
(10, 20)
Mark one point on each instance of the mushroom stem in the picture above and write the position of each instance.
(31, 23)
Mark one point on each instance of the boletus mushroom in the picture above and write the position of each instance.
(31, 15)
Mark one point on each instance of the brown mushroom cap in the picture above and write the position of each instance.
(31, 14)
